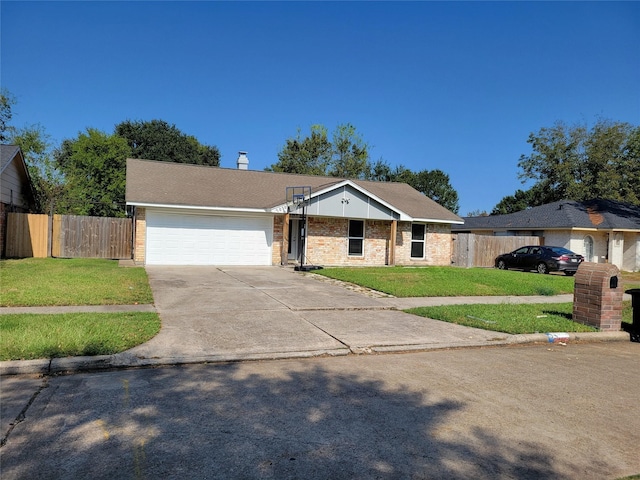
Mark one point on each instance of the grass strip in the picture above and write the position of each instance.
(58, 281)
(513, 318)
(451, 281)
(31, 336)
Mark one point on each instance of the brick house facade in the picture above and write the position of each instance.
(139, 235)
(327, 243)
(341, 222)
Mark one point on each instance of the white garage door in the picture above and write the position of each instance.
(184, 239)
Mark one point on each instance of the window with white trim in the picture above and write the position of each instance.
(417, 240)
(356, 238)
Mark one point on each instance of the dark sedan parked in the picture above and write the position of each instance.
(543, 259)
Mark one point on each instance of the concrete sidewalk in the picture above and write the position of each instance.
(79, 309)
(246, 313)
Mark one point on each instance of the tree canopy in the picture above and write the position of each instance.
(86, 175)
(94, 171)
(93, 165)
(346, 155)
(158, 140)
(37, 149)
(350, 154)
(310, 155)
(435, 184)
(6, 103)
(578, 163)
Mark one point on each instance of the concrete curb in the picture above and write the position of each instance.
(127, 360)
(573, 337)
(522, 339)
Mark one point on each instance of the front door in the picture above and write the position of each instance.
(294, 240)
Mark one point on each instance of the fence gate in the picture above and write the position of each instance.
(471, 250)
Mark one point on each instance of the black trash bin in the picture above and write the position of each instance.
(634, 330)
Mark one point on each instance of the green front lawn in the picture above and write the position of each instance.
(631, 280)
(512, 318)
(53, 282)
(57, 281)
(451, 281)
(28, 336)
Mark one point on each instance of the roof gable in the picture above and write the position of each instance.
(12, 164)
(347, 200)
(7, 154)
(173, 184)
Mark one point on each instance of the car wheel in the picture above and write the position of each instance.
(542, 268)
(502, 265)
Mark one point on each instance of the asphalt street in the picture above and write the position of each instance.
(518, 412)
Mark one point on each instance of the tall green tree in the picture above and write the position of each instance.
(93, 166)
(37, 150)
(346, 155)
(350, 154)
(612, 163)
(7, 101)
(47, 181)
(158, 140)
(578, 163)
(380, 171)
(310, 155)
(436, 185)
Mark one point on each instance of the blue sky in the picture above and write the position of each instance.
(456, 86)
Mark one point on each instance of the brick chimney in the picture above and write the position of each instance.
(243, 161)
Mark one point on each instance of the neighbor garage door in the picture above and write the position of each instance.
(188, 239)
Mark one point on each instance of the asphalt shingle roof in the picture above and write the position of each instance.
(7, 153)
(563, 214)
(168, 183)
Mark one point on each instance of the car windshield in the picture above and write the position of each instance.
(561, 251)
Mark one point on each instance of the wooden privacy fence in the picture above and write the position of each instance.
(27, 235)
(68, 236)
(91, 237)
(471, 250)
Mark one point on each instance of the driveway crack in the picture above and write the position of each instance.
(23, 413)
(326, 332)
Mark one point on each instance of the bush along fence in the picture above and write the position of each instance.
(67, 236)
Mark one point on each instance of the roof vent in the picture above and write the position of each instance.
(243, 161)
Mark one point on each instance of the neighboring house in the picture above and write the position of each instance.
(601, 230)
(16, 190)
(197, 215)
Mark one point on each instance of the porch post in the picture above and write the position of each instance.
(392, 242)
(284, 253)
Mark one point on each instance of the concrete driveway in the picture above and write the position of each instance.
(232, 313)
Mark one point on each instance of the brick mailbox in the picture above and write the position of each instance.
(597, 296)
